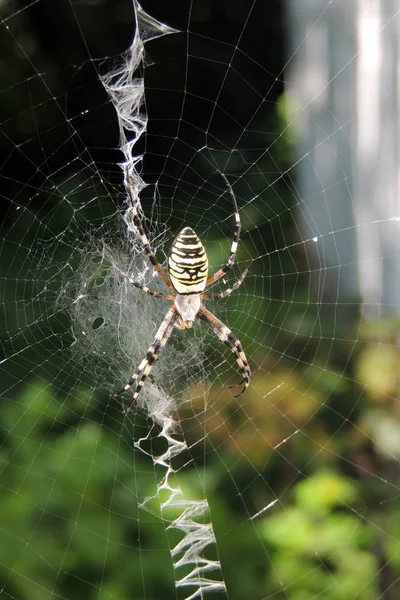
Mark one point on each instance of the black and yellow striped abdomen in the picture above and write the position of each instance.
(188, 263)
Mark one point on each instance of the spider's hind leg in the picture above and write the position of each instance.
(230, 339)
(147, 363)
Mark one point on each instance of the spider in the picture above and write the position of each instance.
(188, 278)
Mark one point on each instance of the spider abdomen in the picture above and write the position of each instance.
(188, 263)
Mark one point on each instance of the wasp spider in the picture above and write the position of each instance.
(188, 277)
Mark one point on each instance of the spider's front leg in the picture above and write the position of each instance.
(153, 352)
(235, 241)
(135, 206)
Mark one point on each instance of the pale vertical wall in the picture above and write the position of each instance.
(342, 82)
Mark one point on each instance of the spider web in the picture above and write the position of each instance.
(291, 490)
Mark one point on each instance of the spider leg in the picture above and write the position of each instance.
(236, 235)
(225, 293)
(144, 236)
(153, 352)
(230, 339)
(145, 288)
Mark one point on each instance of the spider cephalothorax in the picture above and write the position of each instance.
(188, 278)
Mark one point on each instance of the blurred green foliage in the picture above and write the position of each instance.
(70, 520)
